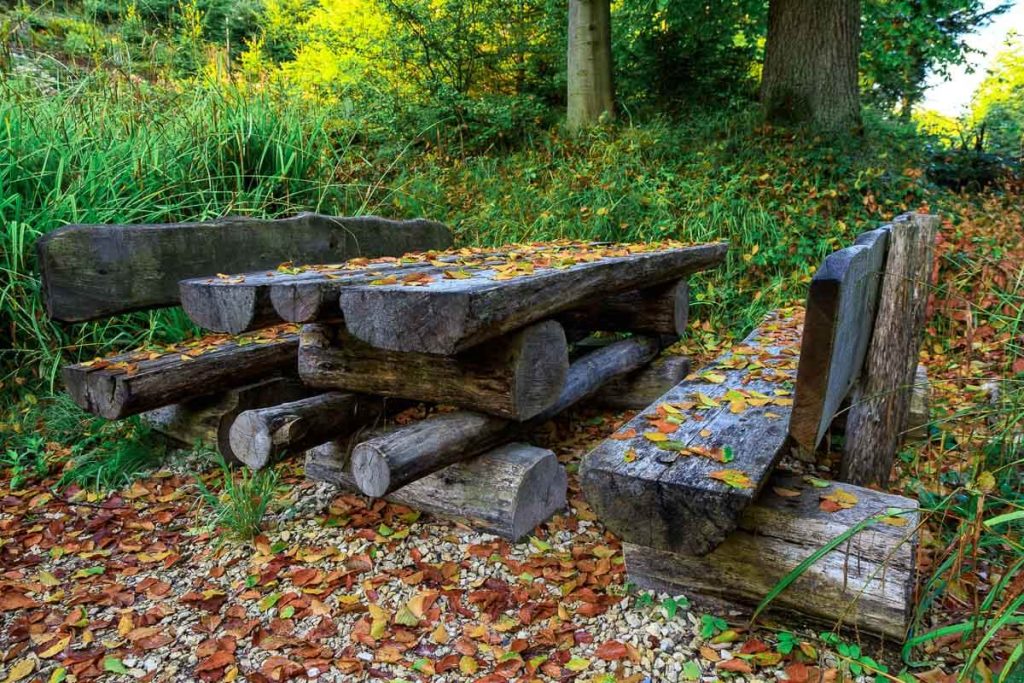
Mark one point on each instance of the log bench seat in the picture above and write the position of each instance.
(687, 483)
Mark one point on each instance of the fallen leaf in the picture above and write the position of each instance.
(23, 669)
(624, 435)
(736, 479)
(735, 665)
(786, 493)
(611, 650)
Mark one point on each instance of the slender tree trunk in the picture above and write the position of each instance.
(591, 90)
(810, 65)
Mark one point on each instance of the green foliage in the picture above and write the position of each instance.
(243, 499)
(999, 101)
(687, 50)
(905, 40)
(711, 625)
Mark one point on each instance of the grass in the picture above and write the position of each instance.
(243, 500)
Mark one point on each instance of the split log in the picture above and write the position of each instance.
(663, 309)
(506, 491)
(880, 404)
(516, 377)
(94, 271)
(641, 388)
(866, 583)
(259, 437)
(449, 316)
(840, 315)
(131, 383)
(208, 419)
(662, 493)
(394, 459)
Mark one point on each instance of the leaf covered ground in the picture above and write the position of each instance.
(136, 584)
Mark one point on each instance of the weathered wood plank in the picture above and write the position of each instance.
(133, 383)
(506, 491)
(238, 303)
(641, 388)
(866, 583)
(880, 405)
(733, 418)
(94, 271)
(516, 376)
(208, 419)
(920, 405)
(840, 315)
(451, 315)
(262, 436)
(663, 309)
(395, 458)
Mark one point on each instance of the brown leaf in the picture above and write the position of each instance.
(217, 660)
(612, 650)
(735, 665)
(12, 600)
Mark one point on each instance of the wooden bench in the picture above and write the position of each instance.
(685, 483)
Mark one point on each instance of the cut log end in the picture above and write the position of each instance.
(233, 311)
(541, 491)
(539, 377)
(250, 441)
(372, 471)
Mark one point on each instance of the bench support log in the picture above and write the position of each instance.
(641, 388)
(866, 583)
(261, 436)
(506, 491)
(515, 377)
(208, 419)
(400, 456)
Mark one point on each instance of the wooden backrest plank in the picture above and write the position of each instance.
(840, 316)
(94, 271)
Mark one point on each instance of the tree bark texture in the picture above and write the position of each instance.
(810, 64)
(590, 88)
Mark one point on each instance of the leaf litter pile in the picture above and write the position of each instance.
(135, 585)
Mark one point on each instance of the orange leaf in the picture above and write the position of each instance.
(612, 650)
(735, 665)
(624, 435)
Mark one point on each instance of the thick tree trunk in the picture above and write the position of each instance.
(810, 64)
(591, 90)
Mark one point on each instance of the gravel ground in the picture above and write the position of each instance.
(132, 586)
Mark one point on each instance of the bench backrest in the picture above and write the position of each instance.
(840, 317)
(94, 271)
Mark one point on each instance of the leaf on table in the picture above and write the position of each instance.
(736, 479)
(838, 500)
(624, 435)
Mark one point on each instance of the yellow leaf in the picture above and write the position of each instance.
(894, 521)
(713, 377)
(21, 670)
(737, 479)
(440, 635)
(56, 648)
(656, 436)
(456, 274)
(843, 499)
(467, 665)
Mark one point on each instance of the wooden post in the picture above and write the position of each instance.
(881, 401)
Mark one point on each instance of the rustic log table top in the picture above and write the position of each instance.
(443, 302)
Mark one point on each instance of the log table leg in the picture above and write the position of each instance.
(260, 437)
(506, 491)
(515, 377)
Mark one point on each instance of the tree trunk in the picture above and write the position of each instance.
(591, 91)
(810, 64)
